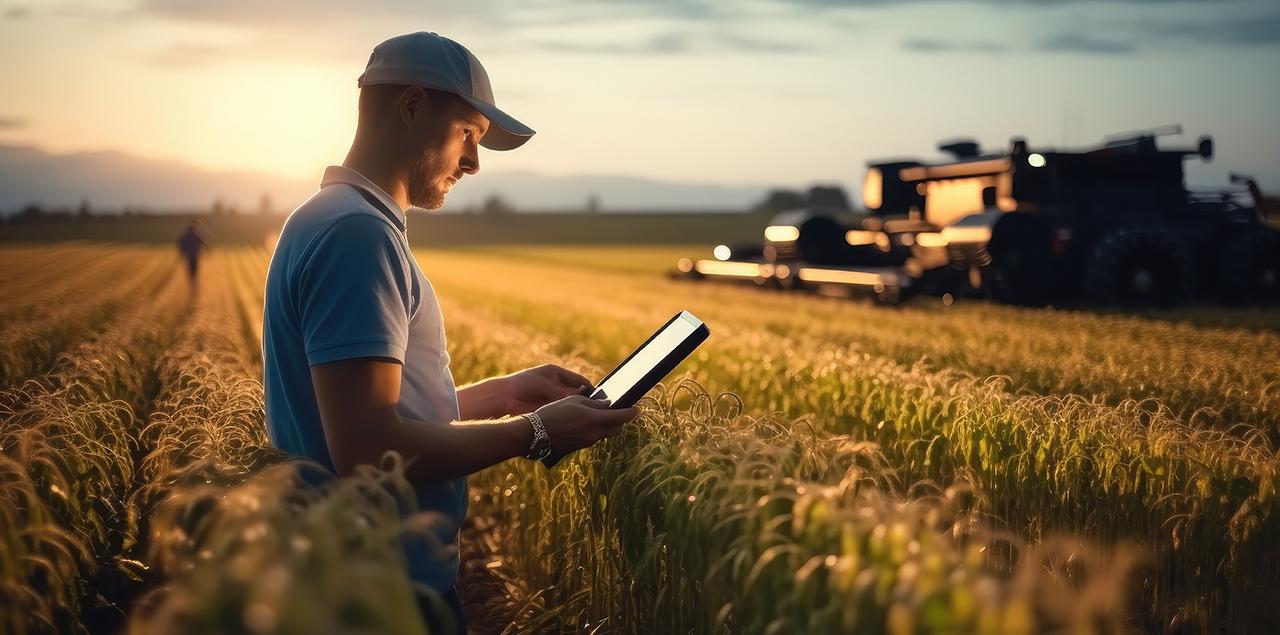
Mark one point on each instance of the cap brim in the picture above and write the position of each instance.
(505, 133)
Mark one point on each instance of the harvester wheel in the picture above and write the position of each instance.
(1021, 265)
(1249, 270)
(1140, 266)
(821, 241)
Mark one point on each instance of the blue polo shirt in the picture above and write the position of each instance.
(343, 284)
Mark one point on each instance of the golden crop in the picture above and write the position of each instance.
(836, 467)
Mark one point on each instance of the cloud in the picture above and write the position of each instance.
(675, 42)
(1235, 31)
(278, 13)
(1081, 43)
(12, 123)
(753, 45)
(664, 44)
(330, 29)
(496, 13)
(539, 12)
(1123, 39)
(849, 4)
(935, 45)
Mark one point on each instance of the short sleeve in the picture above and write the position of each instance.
(354, 293)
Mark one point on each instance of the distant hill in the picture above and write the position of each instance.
(115, 180)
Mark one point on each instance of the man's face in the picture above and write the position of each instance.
(449, 134)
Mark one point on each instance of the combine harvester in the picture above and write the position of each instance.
(1111, 225)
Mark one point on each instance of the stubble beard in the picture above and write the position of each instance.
(420, 190)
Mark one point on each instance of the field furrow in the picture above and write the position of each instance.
(23, 268)
(31, 345)
(63, 280)
(74, 432)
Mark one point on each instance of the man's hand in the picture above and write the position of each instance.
(577, 422)
(533, 388)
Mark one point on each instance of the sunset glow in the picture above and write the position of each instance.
(778, 93)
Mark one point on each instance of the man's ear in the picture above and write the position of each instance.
(414, 103)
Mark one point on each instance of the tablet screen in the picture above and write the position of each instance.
(645, 359)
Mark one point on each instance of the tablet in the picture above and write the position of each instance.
(647, 365)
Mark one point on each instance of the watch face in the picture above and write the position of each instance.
(541, 447)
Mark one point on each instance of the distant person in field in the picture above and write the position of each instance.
(354, 350)
(194, 240)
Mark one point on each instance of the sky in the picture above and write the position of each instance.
(768, 92)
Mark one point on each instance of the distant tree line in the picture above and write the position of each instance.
(492, 205)
(35, 211)
(818, 196)
(830, 197)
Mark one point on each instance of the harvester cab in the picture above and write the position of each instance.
(1268, 208)
(1027, 226)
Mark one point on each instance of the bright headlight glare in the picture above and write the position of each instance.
(781, 233)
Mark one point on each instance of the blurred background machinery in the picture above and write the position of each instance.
(1113, 224)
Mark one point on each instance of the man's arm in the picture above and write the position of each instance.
(520, 392)
(481, 400)
(357, 400)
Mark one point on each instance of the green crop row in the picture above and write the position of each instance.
(1202, 502)
(68, 440)
(851, 487)
(701, 519)
(557, 544)
(243, 546)
(39, 326)
(115, 469)
(1211, 377)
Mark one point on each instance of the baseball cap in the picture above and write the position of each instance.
(434, 61)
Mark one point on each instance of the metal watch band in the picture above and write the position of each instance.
(540, 447)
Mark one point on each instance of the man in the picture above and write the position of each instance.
(192, 241)
(353, 338)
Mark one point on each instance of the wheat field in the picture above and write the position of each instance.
(818, 466)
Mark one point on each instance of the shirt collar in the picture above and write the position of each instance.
(340, 174)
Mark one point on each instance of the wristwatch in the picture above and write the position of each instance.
(541, 446)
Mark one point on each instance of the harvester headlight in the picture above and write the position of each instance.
(1035, 160)
(858, 237)
(882, 241)
(722, 252)
(930, 239)
(781, 233)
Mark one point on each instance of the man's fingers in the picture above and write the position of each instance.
(608, 412)
(560, 375)
(626, 414)
(571, 379)
(620, 416)
(615, 427)
(546, 390)
(592, 403)
(549, 390)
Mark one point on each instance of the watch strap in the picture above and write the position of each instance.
(540, 447)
